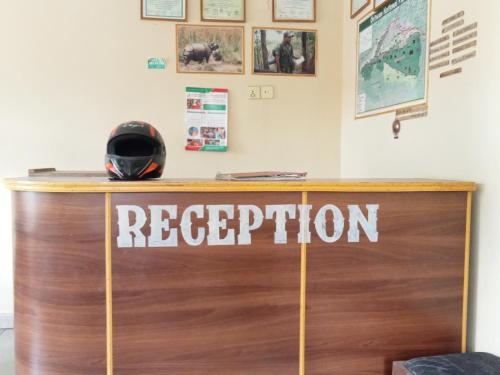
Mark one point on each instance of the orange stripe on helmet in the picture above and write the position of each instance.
(151, 168)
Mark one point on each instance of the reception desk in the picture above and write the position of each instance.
(238, 278)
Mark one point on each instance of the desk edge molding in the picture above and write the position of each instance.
(220, 187)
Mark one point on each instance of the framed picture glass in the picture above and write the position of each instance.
(294, 10)
(392, 56)
(284, 52)
(210, 49)
(164, 10)
(223, 10)
(357, 6)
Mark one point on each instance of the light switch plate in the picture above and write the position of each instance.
(253, 92)
(267, 92)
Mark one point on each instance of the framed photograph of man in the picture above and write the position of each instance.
(294, 10)
(357, 6)
(223, 10)
(164, 10)
(210, 49)
(289, 52)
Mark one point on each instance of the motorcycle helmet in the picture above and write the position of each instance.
(135, 151)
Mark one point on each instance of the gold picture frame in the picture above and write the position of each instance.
(356, 12)
(276, 13)
(218, 57)
(314, 58)
(157, 17)
(204, 18)
(377, 4)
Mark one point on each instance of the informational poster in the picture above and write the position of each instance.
(392, 57)
(206, 119)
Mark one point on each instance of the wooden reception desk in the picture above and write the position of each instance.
(206, 278)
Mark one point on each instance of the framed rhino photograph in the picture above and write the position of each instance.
(287, 52)
(210, 49)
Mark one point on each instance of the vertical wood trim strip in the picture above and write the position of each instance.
(303, 274)
(109, 290)
(466, 272)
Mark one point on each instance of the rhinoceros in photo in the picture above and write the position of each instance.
(199, 52)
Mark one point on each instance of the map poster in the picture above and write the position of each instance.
(206, 119)
(392, 57)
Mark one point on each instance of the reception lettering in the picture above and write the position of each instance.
(132, 221)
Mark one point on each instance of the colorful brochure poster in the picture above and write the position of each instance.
(206, 119)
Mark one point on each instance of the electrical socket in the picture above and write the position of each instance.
(267, 92)
(253, 92)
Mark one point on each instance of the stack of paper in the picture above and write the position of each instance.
(262, 176)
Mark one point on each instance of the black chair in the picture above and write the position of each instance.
(453, 364)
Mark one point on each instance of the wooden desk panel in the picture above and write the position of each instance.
(60, 310)
(308, 308)
(369, 304)
(207, 310)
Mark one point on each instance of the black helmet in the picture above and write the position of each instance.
(135, 151)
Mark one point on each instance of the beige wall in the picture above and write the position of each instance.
(71, 70)
(458, 140)
(76, 68)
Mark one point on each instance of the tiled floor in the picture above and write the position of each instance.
(6, 352)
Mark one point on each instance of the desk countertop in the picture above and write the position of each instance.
(103, 185)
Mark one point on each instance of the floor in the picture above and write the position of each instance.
(6, 352)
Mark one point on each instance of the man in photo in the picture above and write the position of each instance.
(285, 59)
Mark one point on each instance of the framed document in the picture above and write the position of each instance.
(165, 10)
(377, 4)
(223, 10)
(392, 72)
(357, 6)
(294, 10)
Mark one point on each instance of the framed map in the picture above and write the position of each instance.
(392, 55)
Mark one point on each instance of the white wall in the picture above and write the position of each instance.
(458, 140)
(72, 70)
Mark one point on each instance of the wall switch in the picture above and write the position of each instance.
(267, 92)
(253, 92)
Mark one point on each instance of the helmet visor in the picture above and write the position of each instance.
(133, 145)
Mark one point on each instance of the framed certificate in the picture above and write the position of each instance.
(294, 10)
(223, 10)
(164, 10)
(357, 6)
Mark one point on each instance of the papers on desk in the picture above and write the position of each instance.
(262, 176)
